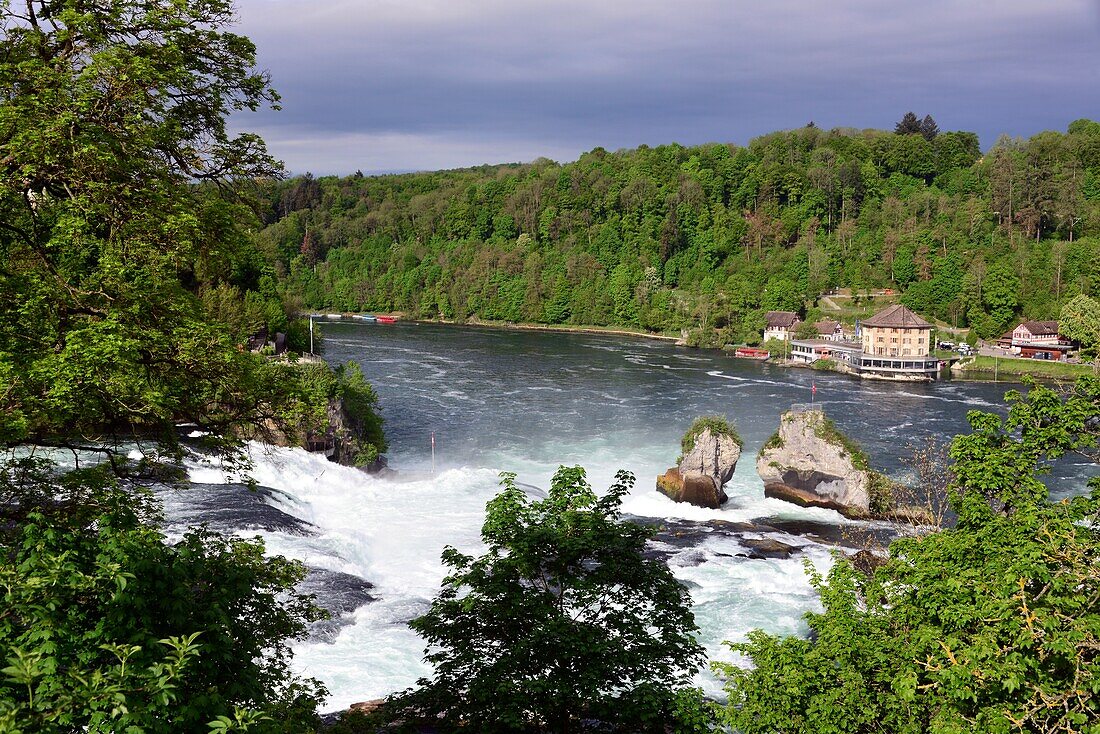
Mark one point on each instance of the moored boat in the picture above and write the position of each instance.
(387, 319)
(751, 353)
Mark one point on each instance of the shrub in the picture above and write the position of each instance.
(718, 426)
(990, 626)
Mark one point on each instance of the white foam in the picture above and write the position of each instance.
(735, 378)
(391, 532)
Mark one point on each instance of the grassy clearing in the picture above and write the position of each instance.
(850, 310)
(1014, 367)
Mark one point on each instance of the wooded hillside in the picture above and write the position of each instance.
(710, 236)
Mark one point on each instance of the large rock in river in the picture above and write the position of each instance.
(809, 462)
(714, 455)
(696, 489)
(708, 464)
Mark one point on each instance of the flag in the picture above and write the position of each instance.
(813, 388)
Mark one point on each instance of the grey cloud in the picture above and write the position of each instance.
(540, 77)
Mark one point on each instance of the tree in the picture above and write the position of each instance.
(988, 626)
(1080, 321)
(108, 626)
(110, 114)
(806, 330)
(563, 618)
(1000, 297)
(908, 125)
(782, 294)
(118, 211)
(928, 128)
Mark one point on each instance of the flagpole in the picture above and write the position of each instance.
(433, 453)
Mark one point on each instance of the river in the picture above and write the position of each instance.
(527, 402)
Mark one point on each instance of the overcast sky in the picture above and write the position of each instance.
(397, 85)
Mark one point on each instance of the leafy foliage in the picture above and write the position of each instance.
(108, 114)
(108, 626)
(561, 619)
(989, 626)
(1080, 321)
(709, 238)
(326, 390)
(127, 290)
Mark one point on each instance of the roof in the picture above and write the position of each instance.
(1045, 347)
(897, 317)
(781, 319)
(828, 326)
(1041, 328)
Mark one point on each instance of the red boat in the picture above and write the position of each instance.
(387, 320)
(751, 353)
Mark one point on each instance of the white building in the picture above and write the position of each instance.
(780, 325)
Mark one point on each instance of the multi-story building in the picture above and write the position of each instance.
(829, 330)
(1036, 332)
(897, 344)
(896, 332)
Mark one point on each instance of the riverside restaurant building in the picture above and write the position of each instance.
(895, 344)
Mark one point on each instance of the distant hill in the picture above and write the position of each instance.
(707, 237)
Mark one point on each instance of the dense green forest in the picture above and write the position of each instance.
(710, 236)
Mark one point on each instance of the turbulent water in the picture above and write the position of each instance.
(527, 402)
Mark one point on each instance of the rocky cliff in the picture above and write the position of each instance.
(340, 439)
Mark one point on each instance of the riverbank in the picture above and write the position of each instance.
(984, 367)
(972, 368)
(560, 328)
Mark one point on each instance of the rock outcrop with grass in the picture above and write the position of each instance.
(809, 462)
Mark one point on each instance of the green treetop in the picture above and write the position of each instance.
(562, 619)
(110, 113)
(1080, 321)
